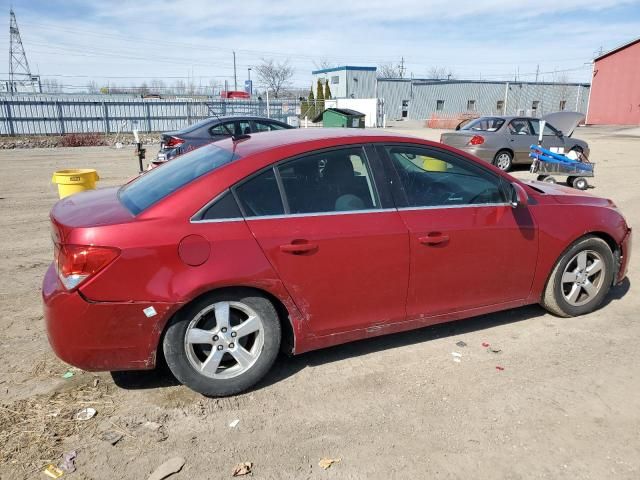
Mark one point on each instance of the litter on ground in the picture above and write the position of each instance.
(241, 469)
(168, 468)
(327, 462)
(85, 414)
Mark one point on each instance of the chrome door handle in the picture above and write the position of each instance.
(298, 247)
(434, 238)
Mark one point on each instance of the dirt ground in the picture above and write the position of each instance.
(566, 405)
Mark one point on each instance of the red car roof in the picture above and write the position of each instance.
(308, 139)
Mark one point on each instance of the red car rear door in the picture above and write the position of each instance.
(469, 247)
(334, 237)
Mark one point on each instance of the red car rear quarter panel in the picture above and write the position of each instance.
(562, 224)
(153, 271)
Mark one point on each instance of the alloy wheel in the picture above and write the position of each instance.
(503, 162)
(224, 340)
(583, 277)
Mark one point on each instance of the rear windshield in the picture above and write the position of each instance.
(160, 182)
(195, 126)
(484, 124)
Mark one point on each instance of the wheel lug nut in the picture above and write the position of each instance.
(224, 329)
(220, 347)
(231, 345)
(233, 334)
(215, 338)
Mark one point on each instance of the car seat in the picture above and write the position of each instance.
(342, 184)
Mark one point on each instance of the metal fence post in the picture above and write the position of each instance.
(148, 116)
(60, 117)
(10, 128)
(188, 113)
(105, 117)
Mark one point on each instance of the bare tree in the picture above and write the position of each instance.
(51, 85)
(214, 86)
(388, 70)
(440, 73)
(179, 87)
(323, 63)
(157, 86)
(92, 87)
(274, 76)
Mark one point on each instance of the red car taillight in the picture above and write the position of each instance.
(76, 263)
(476, 140)
(173, 142)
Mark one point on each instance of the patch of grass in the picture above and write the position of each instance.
(34, 429)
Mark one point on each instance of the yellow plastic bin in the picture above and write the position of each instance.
(75, 180)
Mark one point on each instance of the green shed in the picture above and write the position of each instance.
(340, 117)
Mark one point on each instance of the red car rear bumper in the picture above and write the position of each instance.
(101, 336)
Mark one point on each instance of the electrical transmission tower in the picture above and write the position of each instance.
(19, 72)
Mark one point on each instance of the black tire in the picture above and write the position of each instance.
(553, 299)
(503, 160)
(550, 179)
(580, 183)
(570, 181)
(541, 178)
(176, 355)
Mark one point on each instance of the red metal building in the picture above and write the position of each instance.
(615, 88)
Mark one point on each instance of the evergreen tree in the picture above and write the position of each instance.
(311, 105)
(327, 91)
(319, 98)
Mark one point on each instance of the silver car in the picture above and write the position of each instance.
(505, 141)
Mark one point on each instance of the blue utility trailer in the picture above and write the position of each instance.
(547, 164)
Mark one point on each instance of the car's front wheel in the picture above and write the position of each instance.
(503, 160)
(581, 278)
(223, 343)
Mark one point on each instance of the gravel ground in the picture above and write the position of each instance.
(566, 405)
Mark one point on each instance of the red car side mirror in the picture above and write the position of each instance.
(518, 195)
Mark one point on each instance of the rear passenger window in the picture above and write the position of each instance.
(267, 126)
(225, 207)
(260, 195)
(228, 128)
(334, 181)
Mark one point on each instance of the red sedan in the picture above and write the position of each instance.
(301, 239)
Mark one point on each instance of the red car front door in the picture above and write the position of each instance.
(469, 247)
(341, 252)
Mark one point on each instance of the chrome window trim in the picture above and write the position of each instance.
(469, 205)
(194, 218)
(218, 220)
(322, 214)
(347, 212)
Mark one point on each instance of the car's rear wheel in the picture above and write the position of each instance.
(581, 278)
(224, 342)
(503, 160)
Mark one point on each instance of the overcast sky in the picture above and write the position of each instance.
(76, 41)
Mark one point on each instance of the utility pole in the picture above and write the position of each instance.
(402, 67)
(250, 84)
(235, 77)
(537, 72)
